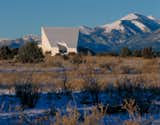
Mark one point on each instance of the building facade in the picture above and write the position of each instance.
(61, 40)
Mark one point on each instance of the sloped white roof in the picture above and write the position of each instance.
(62, 34)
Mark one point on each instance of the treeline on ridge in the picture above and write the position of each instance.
(31, 53)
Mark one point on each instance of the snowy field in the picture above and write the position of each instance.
(11, 112)
(114, 91)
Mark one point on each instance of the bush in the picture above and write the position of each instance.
(125, 69)
(66, 88)
(28, 94)
(147, 52)
(5, 52)
(55, 61)
(30, 53)
(8, 53)
(77, 59)
(108, 54)
(65, 57)
(72, 54)
(137, 53)
(91, 83)
(125, 52)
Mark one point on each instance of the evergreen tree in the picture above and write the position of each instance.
(5, 52)
(137, 53)
(147, 52)
(125, 52)
(30, 53)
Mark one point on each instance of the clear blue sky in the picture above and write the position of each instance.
(19, 17)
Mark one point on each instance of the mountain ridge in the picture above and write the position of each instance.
(134, 30)
(123, 32)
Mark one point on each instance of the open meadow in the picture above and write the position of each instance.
(87, 90)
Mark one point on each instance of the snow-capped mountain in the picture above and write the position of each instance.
(31, 37)
(134, 30)
(135, 23)
(16, 43)
(153, 18)
(117, 34)
(86, 30)
(141, 41)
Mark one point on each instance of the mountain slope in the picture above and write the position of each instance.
(128, 31)
(149, 40)
(16, 43)
(134, 30)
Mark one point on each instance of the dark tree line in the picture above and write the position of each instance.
(31, 53)
(7, 53)
(28, 53)
(145, 52)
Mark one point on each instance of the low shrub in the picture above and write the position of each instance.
(125, 52)
(91, 84)
(7, 53)
(108, 54)
(55, 61)
(106, 66)
(30, 53)
(28, 94)
(147, 52)
(77, 59)
(65, 57)
(72, 54)
(124, 69)
(137, 53)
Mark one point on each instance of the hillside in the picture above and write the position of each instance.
(134, 30)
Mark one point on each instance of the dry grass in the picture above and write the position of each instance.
(115, 71)
(109, 70)
(72, 116)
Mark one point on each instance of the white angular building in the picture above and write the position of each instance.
(59, 40)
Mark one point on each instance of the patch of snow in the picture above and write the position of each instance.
(31, 37)
(60, 101)
(135, 18)
(141, 26)
(27, 112)
(131, 16)
(113, 26)
(153, 18)
(86, 30)
(2, 39)
(6, 92)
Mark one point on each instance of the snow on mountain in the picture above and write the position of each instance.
(133, 21)
(31, 37)
(118, 25)
(153, 18)
(129, 28)
(134, 30)
(141, 26)
(86, 30)
(131, 16)
(16, 43)
(119, 31)
(147, 40)
(1, 39)
(113, 26)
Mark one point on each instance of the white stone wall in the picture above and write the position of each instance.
(45, 42)
(46, 47)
